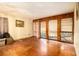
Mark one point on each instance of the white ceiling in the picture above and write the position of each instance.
(37, 9)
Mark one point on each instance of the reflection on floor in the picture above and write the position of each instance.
(37, 47)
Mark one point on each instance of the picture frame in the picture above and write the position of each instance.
(19, 23)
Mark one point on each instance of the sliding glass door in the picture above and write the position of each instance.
(66, 29)
(53, 29)
(43, 29)
(60, 28)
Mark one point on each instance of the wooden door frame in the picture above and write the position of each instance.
(58, 29)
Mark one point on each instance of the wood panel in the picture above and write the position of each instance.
(47, 29)
(73, 29)
(66, 15)
(59, 29)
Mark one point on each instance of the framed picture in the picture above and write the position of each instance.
(19, 23)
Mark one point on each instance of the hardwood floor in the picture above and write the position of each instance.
(37, 47)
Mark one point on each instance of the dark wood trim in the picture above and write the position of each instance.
(36, 20)
(59, 29)
(47, 29)
(73, 29)
(62, 16)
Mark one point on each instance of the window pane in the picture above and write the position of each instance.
(66, 29)
(43, 29)
(53, 29)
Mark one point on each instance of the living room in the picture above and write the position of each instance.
(38, 29)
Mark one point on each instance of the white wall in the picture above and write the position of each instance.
(76, 33)
(19, 32)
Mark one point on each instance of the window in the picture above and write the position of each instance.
(53, 29)
(66, 29)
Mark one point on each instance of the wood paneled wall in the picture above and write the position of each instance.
(58, 18)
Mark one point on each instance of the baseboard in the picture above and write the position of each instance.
(25, 38)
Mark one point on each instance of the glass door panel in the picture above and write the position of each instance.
(66, 30)
(43, 29)
(53, 29)
(36, 29)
